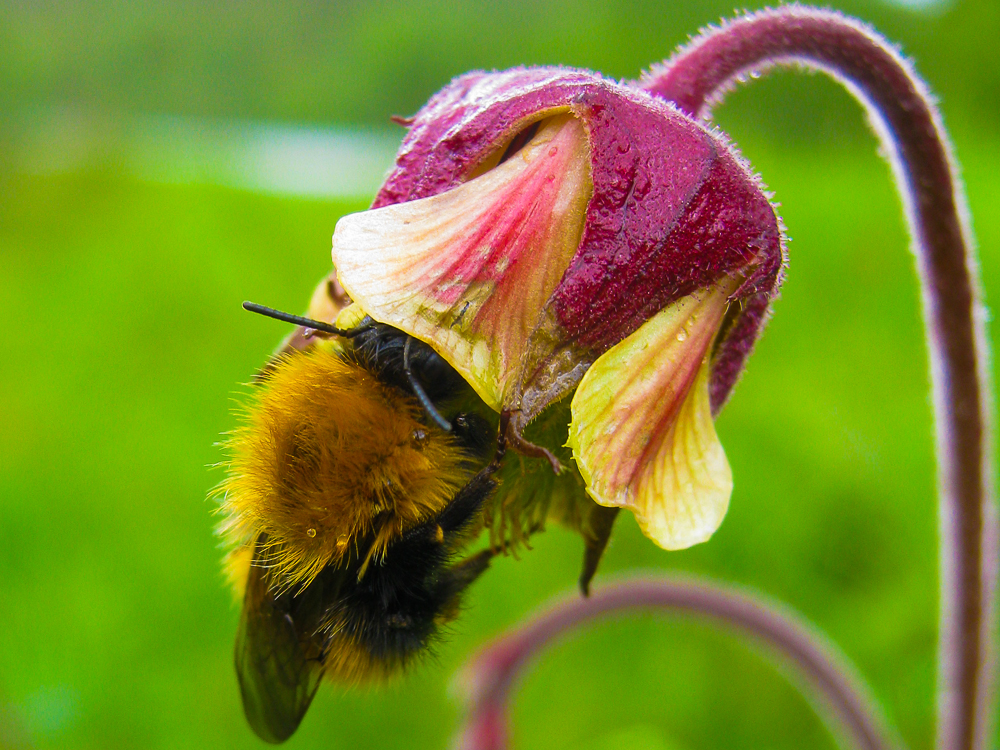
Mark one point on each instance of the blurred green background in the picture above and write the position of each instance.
(160, 163)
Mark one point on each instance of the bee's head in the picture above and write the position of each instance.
(329, 461)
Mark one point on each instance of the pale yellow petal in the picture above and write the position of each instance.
(328, 299)
(642, 431)
(350, 317)
(469, 271)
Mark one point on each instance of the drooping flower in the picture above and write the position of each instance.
(549, 233)
(552, 233)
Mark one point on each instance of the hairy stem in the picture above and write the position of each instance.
(489, 679)
(911, 132)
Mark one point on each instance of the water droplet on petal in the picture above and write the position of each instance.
(310, 533)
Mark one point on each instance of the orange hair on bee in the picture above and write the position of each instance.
(352, 663)
(329, 459)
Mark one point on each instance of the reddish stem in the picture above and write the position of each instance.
(911, 131)
(488, 681)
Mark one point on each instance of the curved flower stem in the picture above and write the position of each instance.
(489, 679)
(910, 130)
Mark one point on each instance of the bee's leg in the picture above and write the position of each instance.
(455, 580)
(450, 526)
(511, 426)
(416, 587)
(460, 512)
(469, 569)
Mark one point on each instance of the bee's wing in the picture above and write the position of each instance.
(279, 653)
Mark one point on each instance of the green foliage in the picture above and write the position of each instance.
(124, 344)
(358, 62)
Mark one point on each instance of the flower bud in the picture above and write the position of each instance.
(549, 232)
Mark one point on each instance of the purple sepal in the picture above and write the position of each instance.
(469, 118)
(673, 208)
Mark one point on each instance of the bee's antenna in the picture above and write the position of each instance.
(298, 320)
(419, 392)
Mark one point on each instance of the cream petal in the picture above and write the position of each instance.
(469, 270)
(642, 432)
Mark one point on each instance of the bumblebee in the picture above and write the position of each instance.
(355, 480)
(362, 468)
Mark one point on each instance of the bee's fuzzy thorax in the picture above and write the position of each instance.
(329, 462)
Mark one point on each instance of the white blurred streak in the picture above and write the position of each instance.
(333, 162)
(926, 6)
